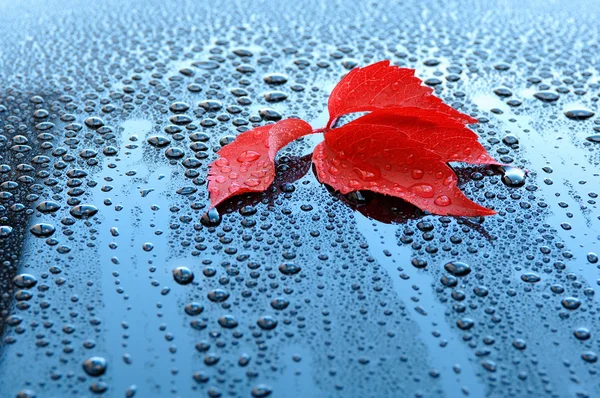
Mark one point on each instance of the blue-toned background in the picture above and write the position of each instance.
(102, 193)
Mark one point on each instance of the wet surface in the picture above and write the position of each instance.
(116, 281)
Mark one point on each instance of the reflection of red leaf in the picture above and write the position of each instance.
(247, 164)
(366, 157)
(384, 86)
(401, 148)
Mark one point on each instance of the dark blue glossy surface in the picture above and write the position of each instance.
(297, 292)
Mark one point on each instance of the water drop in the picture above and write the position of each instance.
(582, 333)
(218, 295)
(83, 211)
(422, 190)
(95, 366)
(266, 322)
(513, 177)
(289, 268)
(546, 96)
(457, 268)
(24, 281)
(443, 201)
(579, 114)
(183, 275)
(42, 230)
(261, 391)
(530, 277)
(193, 309)
(571, 303)
(248, 156)
(211, 218)
(228, 322)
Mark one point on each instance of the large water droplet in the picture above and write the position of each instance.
(183, 275)
(83, 211)
(443, 201)
(571, 303)
(228, 322)
(422, 190)
(289, 268)
(5, 231)
(211, 218)
(513, 176)
(367, 172)
(248, 156)
(95, 366)
(275, 78)
(457, 268)
(267, 322)
(546, 96)
(24, 281)
(48, 206)
(579, 114)
(218, 295)
(582, 333)
(42, 230)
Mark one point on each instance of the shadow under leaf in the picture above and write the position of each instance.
(382, 208)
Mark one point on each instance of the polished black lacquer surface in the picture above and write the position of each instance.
(116, 281)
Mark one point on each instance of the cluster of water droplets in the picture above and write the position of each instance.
(113, 269)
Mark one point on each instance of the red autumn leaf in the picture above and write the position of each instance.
(247, 164)
(382, 86)
(433, 130)
(400, 149)
(359, 156)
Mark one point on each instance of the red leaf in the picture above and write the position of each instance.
(247, 164)
(401, 148)
(381, 86)
(360, 156)
(433, 130)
